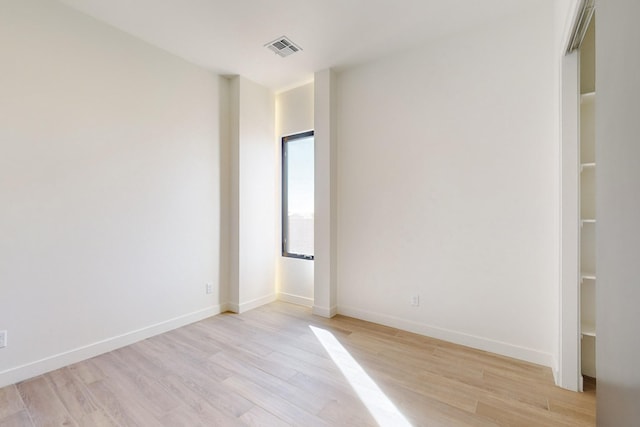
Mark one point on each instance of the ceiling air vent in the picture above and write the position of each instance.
(283, 46)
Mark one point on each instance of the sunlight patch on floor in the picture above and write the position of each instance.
(381, 408)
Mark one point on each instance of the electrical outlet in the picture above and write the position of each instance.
(3, 339)
(209, 288)
(415, 301)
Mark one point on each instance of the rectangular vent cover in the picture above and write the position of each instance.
(283, 46)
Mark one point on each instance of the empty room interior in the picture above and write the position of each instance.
(394, 213)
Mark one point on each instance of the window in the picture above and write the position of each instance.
(297, 195)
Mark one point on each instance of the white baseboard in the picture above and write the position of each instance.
(225, 306)
(57, 361)
(295, 299)
(325, 311)
(234, 308)
(250, 305)
(480, 343)
(556, 371)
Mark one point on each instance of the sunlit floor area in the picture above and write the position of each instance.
(279, 365)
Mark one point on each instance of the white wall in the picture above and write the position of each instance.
(448, 164)
(294, 114)
(110, 187)
(253, 195)
(618, 211)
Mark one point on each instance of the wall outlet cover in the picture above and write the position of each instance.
(3, 339)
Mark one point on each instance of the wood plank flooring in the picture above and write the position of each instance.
(267, 368)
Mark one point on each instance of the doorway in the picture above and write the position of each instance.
(578, 215)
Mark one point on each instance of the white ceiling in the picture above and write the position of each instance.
(228, 36)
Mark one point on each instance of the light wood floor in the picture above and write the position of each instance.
(267, 368)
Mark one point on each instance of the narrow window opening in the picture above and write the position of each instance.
(298, 195)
